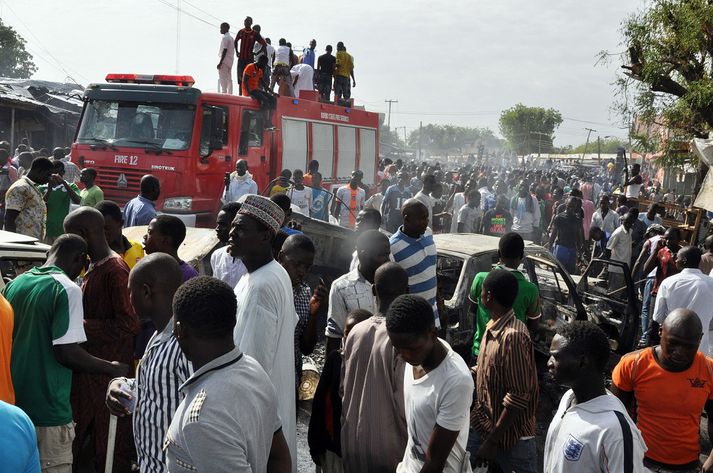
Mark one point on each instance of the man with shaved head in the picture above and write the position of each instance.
(110, 324)
(163, 368)
(413, 248)
(690, 289)
(374, 422)
(672, 384)
(353, 290)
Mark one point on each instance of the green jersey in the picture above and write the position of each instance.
(92, 196)
(57, 208)
(48, 312)
(526, 303)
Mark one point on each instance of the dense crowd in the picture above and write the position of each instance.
(202, 372)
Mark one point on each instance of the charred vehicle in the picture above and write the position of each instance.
(563, 298)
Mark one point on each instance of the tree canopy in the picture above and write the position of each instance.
(15, 61)
(608, 146)
(668, 77)
(452, 139)
(529, 129)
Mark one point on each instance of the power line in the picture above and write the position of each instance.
(202, 11)
(180, 10)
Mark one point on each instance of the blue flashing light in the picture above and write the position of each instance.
(295, 101)
(347, 110)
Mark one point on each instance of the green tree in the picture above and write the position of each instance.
(529, 129)
(15, 61)
(668, 77)
(438, 139)
(607, 145)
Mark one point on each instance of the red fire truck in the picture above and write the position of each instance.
(159, 124)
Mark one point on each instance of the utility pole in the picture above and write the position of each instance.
(388, 120)
(599, 150)
(586, 145)
(420, 133)
(401, 128)
(539, 140)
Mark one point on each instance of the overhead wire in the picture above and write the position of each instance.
(42, 46)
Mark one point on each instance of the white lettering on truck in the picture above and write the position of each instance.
(128, 160)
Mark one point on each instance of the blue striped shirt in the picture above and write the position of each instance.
(418, 257)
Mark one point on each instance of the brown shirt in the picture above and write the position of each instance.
(506, 377)
(373, 415)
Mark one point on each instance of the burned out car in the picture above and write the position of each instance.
(563, 298)
(19, 253)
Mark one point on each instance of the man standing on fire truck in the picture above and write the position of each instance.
(246, 37)
(225, 64)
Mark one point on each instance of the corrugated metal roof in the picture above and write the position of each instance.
(54, 97)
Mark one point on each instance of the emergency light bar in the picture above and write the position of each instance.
(162, 79)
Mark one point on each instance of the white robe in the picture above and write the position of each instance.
(265, 330)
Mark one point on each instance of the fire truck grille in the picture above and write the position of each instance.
(119, 185)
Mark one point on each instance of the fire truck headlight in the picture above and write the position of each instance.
(178, 203)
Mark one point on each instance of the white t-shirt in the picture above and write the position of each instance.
(282, 55)
(588, 438)
(441, 397)
(265, 330)
(633, 190)
(458, 202)
(428, 201)
(301, 198)
(305, 75)
(470, 218)
(226, 268)
(227, 43)
(620, 245)
(305, 80)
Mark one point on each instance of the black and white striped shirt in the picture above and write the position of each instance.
(162, 370)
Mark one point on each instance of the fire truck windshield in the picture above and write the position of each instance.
(137, 125)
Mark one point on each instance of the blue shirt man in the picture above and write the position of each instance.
(142, 209)
(18, 441)
(308, 54)
(394, 198)
(139, 211)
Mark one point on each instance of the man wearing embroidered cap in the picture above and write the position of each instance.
(266, 314)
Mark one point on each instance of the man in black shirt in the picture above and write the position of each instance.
(325, 70)
(567, 235)
(497, 221)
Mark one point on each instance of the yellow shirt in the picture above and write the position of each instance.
(345, 64)
(278, 189)
(133, 254)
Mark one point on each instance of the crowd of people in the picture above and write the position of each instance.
(262, 66)
(202, 372)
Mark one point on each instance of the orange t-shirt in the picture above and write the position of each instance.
(7, 322)
(669, 405)
(253, 74)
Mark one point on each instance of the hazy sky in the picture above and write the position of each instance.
(457, 62)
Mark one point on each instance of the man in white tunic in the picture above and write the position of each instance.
(266, 317)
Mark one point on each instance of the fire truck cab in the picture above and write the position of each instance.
(135, 125)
